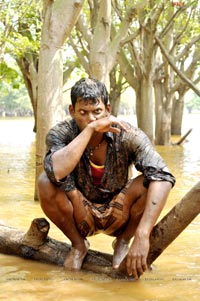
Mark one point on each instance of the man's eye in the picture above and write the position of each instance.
(82, 112)
(98, 111)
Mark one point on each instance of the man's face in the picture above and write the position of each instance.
(88, 111)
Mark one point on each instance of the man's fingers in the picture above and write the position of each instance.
(139, 269)
(131, 267)
(144, 265)
(122, 125)
(136, 267)
(114, 130)
(125, 127)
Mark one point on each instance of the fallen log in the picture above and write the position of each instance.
(37, 245)
(182, 139)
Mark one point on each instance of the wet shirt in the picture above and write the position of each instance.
(124, 149)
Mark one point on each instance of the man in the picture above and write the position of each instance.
(85, 188)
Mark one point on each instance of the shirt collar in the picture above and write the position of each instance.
(109, 135)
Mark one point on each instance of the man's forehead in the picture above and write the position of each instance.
(89, 102)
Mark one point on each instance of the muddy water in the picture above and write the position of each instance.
(176, 273)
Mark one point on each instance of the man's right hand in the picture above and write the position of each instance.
(107, 124)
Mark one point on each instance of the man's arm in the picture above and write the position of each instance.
(137, 256)
(65, 159)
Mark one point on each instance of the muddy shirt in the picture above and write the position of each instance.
(124, 149)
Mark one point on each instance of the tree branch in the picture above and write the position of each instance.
(172, 64)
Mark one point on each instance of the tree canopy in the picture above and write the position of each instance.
(150, 46)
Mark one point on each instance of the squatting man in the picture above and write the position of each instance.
(85, 190)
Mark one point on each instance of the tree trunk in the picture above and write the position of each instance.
(104, 44)
(59, 19)
(35, 244)
(163, 114)
(99, 46)
(164, 79)
(177, 115)
(115, 91)
(28, 66)
(144, 106)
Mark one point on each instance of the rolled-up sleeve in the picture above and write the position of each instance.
(147, 160)
(55, 140)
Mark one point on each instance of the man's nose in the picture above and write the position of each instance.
(91, 117)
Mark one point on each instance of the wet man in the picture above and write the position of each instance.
(85, 189)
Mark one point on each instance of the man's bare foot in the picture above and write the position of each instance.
(74, 259)
(120, 247)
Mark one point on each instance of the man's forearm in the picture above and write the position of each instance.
(66, 159)
(156, 199)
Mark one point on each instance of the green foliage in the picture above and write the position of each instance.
(20, 30)
(9, 75)
(14, 101)
(20, 26)
(7, 72)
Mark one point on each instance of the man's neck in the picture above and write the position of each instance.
(96, 139)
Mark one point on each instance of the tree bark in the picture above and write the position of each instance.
(177, 113)
(179, 217)
(178, 71)
(99, 43)
(144, 106)
(59, 19)
(28, 66)
(163, 110)
(35, 244)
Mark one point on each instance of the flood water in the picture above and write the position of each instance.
(176, 273)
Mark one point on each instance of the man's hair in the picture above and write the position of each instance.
(89, 89)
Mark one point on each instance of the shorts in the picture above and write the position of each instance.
(109, 218)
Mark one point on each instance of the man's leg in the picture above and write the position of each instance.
(134, 204)
(58, 208)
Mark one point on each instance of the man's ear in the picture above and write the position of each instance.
(71, 110)
(108, 108)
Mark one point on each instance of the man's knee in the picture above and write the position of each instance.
(135, 189)
(45, 188)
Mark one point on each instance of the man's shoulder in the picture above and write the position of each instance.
(64, 130)
(65, 125)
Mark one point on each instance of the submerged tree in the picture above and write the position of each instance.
(179, 48)
(59, 18)
(147, 62)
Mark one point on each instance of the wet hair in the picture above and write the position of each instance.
(89, 89)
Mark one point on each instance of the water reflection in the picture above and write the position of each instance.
(173, 272)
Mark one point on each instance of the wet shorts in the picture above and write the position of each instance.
(109, 218)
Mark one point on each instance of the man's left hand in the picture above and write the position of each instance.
(137, 257)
